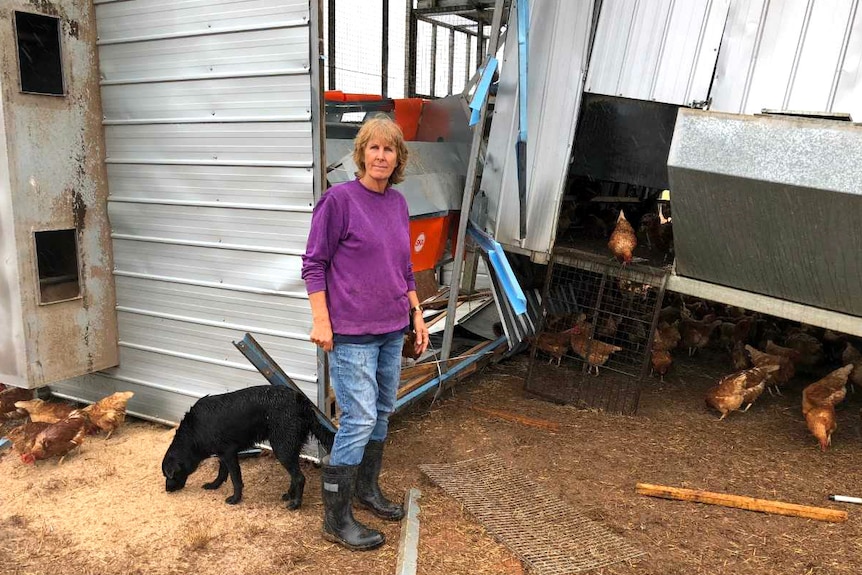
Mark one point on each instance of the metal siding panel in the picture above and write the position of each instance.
(196, 165)
(848, 96)
(253, 186)
(609, 48)
(254, 98)
(279, 315)
(214, 343)
(258, 230)
(558, 61)
(144, 18)
(250, 270)
(274, 144)
(736, 59)
(644, 49)
(238, 54)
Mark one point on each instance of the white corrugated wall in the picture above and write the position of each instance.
(210, 154)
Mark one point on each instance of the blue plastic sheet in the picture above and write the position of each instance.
(501, 266)
(482, 91)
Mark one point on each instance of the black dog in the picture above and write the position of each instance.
(223, 425)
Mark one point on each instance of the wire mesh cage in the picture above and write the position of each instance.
(598, 319)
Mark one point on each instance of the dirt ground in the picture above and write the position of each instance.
(105, 509)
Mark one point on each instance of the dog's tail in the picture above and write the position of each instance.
(323, 435)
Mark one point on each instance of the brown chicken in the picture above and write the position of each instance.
(782, 376)
(852, 355)
(739, 387)
(733, 332)
(595, 352)
(818, 404)
(666, 336)
(775, 349)
(23, 436)
(659, 235)
(809, 347)
(661, 360)
(45, 411)
(108, 413)
(58, 439)
(738, 359)
(623, 240)
(8, 397)
(553, 344)
(696, 334)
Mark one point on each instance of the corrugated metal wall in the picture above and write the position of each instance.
(208, 126)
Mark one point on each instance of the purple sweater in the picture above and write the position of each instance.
(358, 251)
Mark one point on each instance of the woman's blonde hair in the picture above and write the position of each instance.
(383, 128)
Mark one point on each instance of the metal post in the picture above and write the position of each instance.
(330, 49)
(384, 50)
(467, 200)
(410, 59)
(433, 91)
(451, 61)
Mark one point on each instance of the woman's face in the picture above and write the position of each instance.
(380, 159)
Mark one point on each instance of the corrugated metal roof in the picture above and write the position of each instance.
(209, 145)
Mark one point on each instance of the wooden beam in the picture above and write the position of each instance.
(515, 418)
(741, 502)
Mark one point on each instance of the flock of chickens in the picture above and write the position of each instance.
(53, 429)
(749, 339)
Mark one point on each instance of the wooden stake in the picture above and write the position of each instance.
(529, 421)
(740, 502)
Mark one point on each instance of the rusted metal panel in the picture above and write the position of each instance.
(54, 150)
(769, 205)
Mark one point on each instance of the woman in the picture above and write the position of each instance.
(360, 284)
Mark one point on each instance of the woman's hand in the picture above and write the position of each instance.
(321, 334)
(421, 330)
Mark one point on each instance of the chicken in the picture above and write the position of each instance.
(44, 411)
(783, 375)
(821, 423)
(623, 240)
(23, 436)
(408, 349)
(659, 235)
(696, 334)
(608, 326)
(809, 347)
(595, 352)
(8, 397)
(108, 413)
(739, 387)
(852, 355)
(661, 360)
(58, 439)
(554, 344)
(830, 390)
(733, 332)
(738, 359)
(666, 336)
(818, 404)
(775, 349)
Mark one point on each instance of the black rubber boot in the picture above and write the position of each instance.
(339, 526)
(367, 487)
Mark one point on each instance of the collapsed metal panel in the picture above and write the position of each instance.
(52, 178)
(558, 43)
(210, 153)
(770, 205)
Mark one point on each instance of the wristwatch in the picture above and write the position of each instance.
(416, 309)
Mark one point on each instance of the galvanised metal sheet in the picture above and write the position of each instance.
(214, 343)
(238, 54)
(285, 144)
(769, 205)
(225, 100)
(262, 271)
(275, 314)
(211, 165)
(122, 21)
(660, 50)
(790, 56)
(207, 185)
(559, 34)
(271, 231)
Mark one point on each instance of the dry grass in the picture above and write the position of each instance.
(105, 509)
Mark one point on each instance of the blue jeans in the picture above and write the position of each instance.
(365, 378)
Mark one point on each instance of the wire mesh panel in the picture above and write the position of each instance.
(598, 320)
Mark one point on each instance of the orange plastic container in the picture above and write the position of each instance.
(428, 236)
